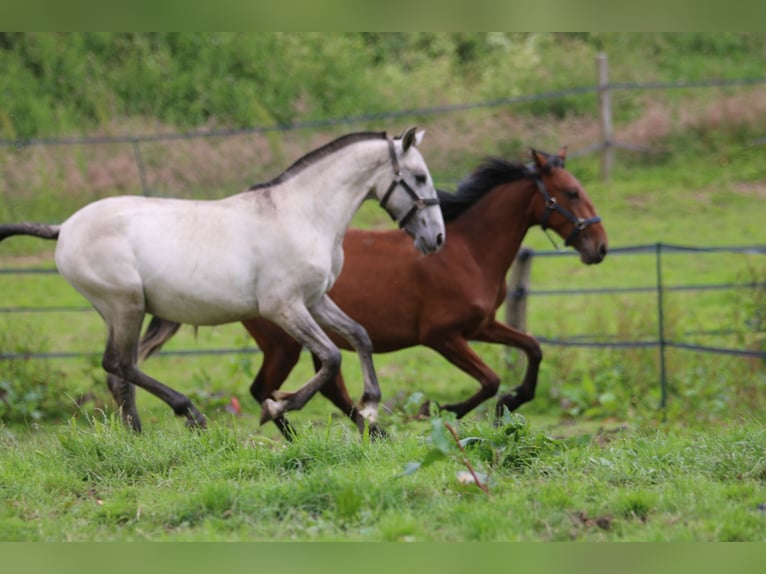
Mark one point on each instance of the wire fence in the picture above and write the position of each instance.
(515, 291)
(606, 144)
(520, 292)
(661, 341)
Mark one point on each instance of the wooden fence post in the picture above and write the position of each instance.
(605, 113)
(518, 287)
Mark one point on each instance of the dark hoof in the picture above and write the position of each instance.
(196, 423)
(195, 419)
(133, 424)
(377, 433)
(285, 428)
(424, 411)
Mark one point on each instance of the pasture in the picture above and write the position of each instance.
(591, 458)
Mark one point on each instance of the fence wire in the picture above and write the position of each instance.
(598, 340)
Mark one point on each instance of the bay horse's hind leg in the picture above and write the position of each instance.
(497, 332)
(158, 332)
(457, 351)
(280, 355)
(329, 315)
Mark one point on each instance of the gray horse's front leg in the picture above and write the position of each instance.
(331, 317)
(301, 326)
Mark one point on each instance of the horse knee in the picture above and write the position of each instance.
(535, 354)
(362, 340)
(117, 365)
(491, 385)
(331, 363)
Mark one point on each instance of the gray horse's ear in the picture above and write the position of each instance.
(409, 138)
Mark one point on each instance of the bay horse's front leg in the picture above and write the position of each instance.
(330, 316)
(497, 332)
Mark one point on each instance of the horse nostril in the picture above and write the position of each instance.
(439, 240)
(602, 251)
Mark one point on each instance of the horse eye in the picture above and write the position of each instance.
(421, 179)
(572, 193)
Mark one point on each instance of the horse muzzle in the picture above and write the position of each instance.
(593, 253)
(429, 244)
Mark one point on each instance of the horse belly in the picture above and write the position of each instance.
(201, 294)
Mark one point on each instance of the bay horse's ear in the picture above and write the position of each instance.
(540, 158)
(409, 137)
(563, 154)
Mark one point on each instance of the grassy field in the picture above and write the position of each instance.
(592, 458)
(92, 480)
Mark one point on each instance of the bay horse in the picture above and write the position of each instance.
(444, 300)
(271, 251)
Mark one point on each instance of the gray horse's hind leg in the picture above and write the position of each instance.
(124, 395)
(120, 360)
(158, 332)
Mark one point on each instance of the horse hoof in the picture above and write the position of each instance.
(196, 423)
(424, 411)
(377, 433)
(369, 412)
(271, 410)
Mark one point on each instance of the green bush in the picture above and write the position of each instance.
(62, 83)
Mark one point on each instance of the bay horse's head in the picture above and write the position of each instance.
(566, 208)
(411, 198)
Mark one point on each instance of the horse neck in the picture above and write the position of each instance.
(496, 225)
(332, 189)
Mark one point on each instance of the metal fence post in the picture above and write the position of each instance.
(518, 287)
(516, 300)
(661, 328)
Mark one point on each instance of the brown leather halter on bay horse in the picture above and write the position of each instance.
(444, 300)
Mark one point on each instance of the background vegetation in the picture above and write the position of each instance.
(60, 84)
(595, 459)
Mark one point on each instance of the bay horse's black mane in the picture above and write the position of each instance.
(317, 154)
(490, 173)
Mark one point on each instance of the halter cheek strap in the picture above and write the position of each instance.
(552, 205)
(418, 202)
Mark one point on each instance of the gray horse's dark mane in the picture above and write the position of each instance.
(490, 173)
(319, 153)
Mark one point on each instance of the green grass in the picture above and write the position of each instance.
(95, 481)
(616, 468)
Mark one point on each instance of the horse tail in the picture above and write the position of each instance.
(157, 334)
(35, 229)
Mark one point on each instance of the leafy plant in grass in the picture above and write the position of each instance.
(509, 445)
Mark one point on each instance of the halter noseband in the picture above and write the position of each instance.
(552, 205)
(418, 202)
